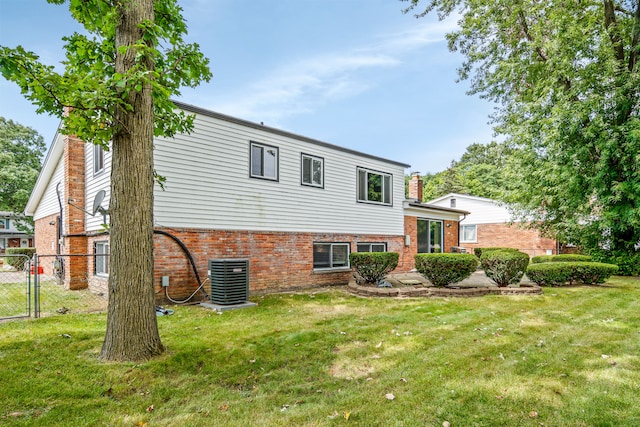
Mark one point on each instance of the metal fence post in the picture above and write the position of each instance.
(36, 288)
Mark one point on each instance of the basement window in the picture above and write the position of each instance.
(328, 256)
(101, 259)
(372, 247)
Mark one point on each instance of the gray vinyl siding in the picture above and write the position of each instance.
(208, 185)
(93, 184)
(49, 203)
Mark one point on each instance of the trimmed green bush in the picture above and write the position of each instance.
(18, 262)
(370, 267)
(504, 267)
(628, 263)
(445, 269)
(479, 251)
(562, 273)
(560, 258)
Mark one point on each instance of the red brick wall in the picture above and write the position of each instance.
(45, 236)
(411, 229)
(277, 260)
(511, 236)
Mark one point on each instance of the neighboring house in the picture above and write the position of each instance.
(293, 206)
(10, 235)
(490, 224)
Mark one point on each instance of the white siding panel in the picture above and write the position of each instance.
(95, 183)
(49, 203)
(208, 185)
(483, 211)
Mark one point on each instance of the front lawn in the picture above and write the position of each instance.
(569, 357)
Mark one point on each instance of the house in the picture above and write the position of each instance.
(295, 207)
(10, 235)
(490, 224)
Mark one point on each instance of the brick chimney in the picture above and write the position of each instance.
(75, 239)
(415, 187)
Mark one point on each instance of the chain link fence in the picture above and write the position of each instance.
(31, 288)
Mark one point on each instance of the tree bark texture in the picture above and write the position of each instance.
(132, 328)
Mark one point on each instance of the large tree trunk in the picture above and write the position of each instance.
(132, 328)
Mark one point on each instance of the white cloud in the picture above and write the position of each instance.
(300, 86)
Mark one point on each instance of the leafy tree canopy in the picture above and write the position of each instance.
(21, 150)
(565, 74)
(90, 85)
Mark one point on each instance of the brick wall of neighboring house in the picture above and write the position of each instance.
(408, 253)
(277, 260)
(46, 235)
(511, 236)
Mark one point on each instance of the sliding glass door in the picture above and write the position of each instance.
(430, 236)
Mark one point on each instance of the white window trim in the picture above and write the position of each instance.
(104, 255)
(98, 154)
(331, 245)
(462, 239)
(370, 244)
(313, 159)
(385, 188)
(277, 165)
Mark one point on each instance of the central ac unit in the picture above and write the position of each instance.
(229, 281)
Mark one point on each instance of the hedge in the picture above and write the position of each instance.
(628, 262)
(479, 251)
(18, 262)
(504, 267)
(371, 267)
(443, 269)
(561, 273)
(560, 258)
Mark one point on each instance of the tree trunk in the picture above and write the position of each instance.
(132, 327)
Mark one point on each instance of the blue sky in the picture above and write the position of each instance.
(355, 73)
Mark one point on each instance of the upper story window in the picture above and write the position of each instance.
(312, 170)
(4, 224)
(452, 203)
(98, 159)
(374, 187)
(372, 247)
(264, 161)
(468, 233)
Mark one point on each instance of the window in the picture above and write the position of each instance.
(312, 171)
(98, 159)
(374, 187)
(468, 233)
(452, 203)
(372, 247)
(264, 161)
(4, 224)
(330, 255)
(430, 236)
(101, 264)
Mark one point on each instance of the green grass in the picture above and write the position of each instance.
(570, 357)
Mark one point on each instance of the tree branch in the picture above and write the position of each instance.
(611, 26)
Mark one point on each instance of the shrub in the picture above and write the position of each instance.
(504, 267)
(479, 251)
(560, 258)
(561, 273)
(18, 262)
(370, 267)
(446, 269)
(628, 263)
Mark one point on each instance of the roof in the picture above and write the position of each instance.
(462, 196)
(438, 208)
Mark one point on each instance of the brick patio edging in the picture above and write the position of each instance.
(421, 291)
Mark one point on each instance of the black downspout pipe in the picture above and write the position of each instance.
(188, 254)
